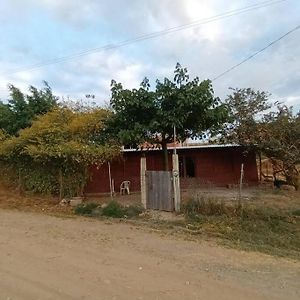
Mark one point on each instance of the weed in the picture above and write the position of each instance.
(201, 206)
(85, 209)
(133, 211)
(114, 210)
(251, 227)
(296, 212)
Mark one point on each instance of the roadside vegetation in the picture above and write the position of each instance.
(113, 209)
(47, 147)
(268, 222)
(248, 227)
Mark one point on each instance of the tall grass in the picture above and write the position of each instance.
(247, 227)
(203, 206)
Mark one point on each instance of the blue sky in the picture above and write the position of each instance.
(34, 32)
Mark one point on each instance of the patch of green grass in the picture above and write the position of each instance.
(296, 212)
(273, 236)
(113, 210)
(268, 230)
(132, 211)
(202, 206)
(85, 209)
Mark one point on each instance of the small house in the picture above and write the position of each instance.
(199, 165)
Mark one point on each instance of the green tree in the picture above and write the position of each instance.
(270, 129)
(22, 109)
(280, 141)
(58, 149)
(246, 108)
(142, 115)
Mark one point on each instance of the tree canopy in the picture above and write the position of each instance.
(269, 128)
(62, 142)
(145, 115)
(21, 109)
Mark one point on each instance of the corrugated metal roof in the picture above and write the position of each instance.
(204, 146)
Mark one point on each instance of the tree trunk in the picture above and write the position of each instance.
(83, 183)
(165, 155)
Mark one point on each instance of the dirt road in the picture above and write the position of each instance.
(44, 257)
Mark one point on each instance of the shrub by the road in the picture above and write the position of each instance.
(113, 209)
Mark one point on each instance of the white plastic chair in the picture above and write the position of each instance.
(124, 187)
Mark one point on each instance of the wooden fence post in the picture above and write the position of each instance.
(143, 182)
(241, 184)
(110, 182)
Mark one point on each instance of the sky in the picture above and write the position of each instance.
(35, 32)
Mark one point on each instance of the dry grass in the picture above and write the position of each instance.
(10, 199)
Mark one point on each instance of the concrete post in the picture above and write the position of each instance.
(176, 182)
(143, 182)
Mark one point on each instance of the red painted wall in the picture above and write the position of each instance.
(216, 166)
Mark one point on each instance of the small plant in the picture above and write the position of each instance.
(208, 207)
(85, 209)
(133, 211)
(296, 212)
(114, 210)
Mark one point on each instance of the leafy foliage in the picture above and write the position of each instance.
(142, 115)
(271, 129)
(22, 109)
(246, 107)
(280, 141)
(85, 209)
(113, 209)
(58, 149)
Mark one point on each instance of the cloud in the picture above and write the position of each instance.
(206, 50)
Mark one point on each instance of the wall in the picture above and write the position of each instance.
(216, 166)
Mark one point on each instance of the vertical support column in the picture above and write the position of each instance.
(241, 184)
(143, 182)
(110, 182)
(176, 182)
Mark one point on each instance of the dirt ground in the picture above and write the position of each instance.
(47, 257)
(271, 197)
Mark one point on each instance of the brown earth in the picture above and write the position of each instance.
(46, 257)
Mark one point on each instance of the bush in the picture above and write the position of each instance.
(85, 209)
(42, 178)
(296, 212)
(114, 210)
(133, 211)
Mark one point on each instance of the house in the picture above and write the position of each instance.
(199, 165)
